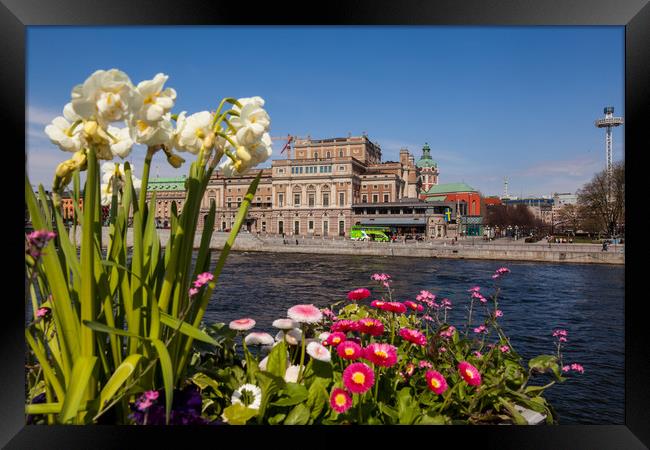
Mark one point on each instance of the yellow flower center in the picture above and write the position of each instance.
(469, 373)
(199, 133)
(369, 323)
(151, 98)
(142, 125)
(358, 377)
(381, 353)
(435, 383)
(340, 400)
(349, 351)
(336, 340)
(109, 99)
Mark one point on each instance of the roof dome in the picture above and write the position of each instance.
(426, 160)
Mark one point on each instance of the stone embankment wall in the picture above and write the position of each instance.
(463, 249)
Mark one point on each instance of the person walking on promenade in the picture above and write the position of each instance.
(604, 249)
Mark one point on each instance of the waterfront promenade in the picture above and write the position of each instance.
(500, 249)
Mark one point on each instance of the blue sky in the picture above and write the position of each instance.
(492, 102)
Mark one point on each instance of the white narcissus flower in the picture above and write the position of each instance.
(155, 101)
(69, 114)
(252, 122)
(160, 133)
(192, 130)
(257, 101)
(107, 95)
(253, 391)
(262, 150)
(227, 168)
(108, 171)
(106, 193)
(124, 143)
(57, 132)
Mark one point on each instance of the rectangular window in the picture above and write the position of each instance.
(223, 226)
(375, 198)
(312, 199)
(311, 226)
(326, 199)
(341, 228)
(229, 200)
(341, 198)
(364, 198)
(263, 226)
(296, 199)
(238, 202)
(300, 169)
(326, 226)
(386, 198)
(296, 227)
(281, 227)
(281, 200)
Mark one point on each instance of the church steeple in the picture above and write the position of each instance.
(427, 168)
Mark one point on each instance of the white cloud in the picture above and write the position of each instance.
(38, 115)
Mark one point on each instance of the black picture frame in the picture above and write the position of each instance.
(16, 15)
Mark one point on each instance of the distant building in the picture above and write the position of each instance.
(541, 207)
(428, 169)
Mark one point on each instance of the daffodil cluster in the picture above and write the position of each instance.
(110, 114)
(114, 179)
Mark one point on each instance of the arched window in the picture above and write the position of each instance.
(341, 153)
(315, 155)
(328, 155)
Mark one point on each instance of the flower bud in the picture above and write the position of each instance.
(175, 160)
(90, 127)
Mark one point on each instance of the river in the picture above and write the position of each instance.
(587, 300)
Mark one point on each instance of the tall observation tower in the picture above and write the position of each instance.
(608, 123)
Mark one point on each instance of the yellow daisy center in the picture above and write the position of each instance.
(369, 323)
(358, 377)
(336, 340)
(381, 353)
(469, 373)
(340, 400)
(349, 351)
(435, 383)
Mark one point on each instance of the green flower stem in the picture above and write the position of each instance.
(302, 353)
(377, 383)
(469, 317)
(145, 181)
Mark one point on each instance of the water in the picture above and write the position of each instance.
(587, 300)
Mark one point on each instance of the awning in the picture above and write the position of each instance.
(393, 221)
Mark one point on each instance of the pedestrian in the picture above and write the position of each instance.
(604, 249)
(296, 241)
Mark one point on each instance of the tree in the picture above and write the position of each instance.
(603, 199)
(570, 217)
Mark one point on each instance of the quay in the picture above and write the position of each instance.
(439, 248)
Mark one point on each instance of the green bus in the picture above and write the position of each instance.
(370, 233)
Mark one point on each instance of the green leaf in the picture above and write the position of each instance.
(391, 412)
(203, 382)
(186, 329)
(435, 420)
(299, 415)
(545, 363)
(106, 329)
(238, 414)
(317, 397)
(167, 374)
(517, 418)
(270, 385)
(81, 374)
(407, 408)
(293, 394)
(119, 377)
(277, 362)
(276, 419)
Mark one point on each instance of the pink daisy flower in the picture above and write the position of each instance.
(373, 327)
(409, 369)
(560, 333)
(411, 305)
(566, 368)
(384, 355)
(380, 277)
(256, 338)
(340, 400)
(413, 336)
(358, 378)
(436, 382)
(469, 373)
(378, 303)
(334, 338)
(305, 313)
(242, 324)
(284, 324)
(358, 294)
(319, 352)
(349, 350)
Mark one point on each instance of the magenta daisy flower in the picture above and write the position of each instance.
(411, 305)
(436, 382)
(340, 400)
(396, 307)
(378, 304)
(334, 339)
(344, 325)
(370, 326)
(358, 294)
(305, 313)
(413, 336)
(358, 378)
(242, 324)
(469, 373)
(384, 355)
(349, 350)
